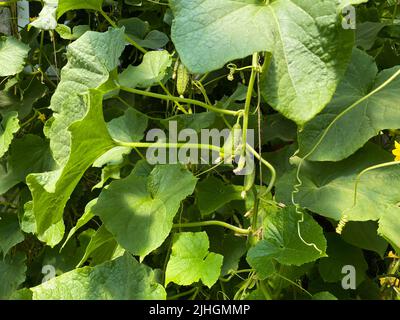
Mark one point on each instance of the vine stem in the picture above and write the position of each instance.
(183, 294)
(168, 145)
(344, 217)
(378, 166)
(254, 71)
(182, 100)
(127, 38)
(212, 223)
(200, 146)
(264, 290)
(179, 106)
(267, 164)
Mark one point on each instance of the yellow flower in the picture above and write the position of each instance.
(396, 151)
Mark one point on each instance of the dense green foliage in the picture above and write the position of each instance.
(85, 213)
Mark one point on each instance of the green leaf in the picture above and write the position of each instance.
(364, 235)
(154, 40)
(146, 203)
(12, 56)
(151, 71)
(128, 128)
(66, 33)
(195, 121)
(12, 274)
(109, 172)
(52, 236)
(367, 33)
(91, 58)
(10, 99)
(190, 260)
(212, 194)
(310, 48)
(365, 103)
(324, 295)
(139, 31)
(278, 127)
(232, 248)
(389, 226)
(341, 254)
(112, 157)
(10, 232)
(328, 189)
(68, 5)
(120, 279)
(9, 126)
(84, 219)
(99, 238)
(29, 154)
(89, 140)
(282, 242)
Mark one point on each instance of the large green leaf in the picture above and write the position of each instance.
(228, 245)
(120, 279)
(10, 232)
(212, 194)
(146, 204)
(283, 244)
(91, 58)
(341, 254)
(12, 56)
(364, 235)
(190, 260)
(68, 5)
(128, 128)
(29, 154)
(99, 238)
(310, 48)
(328, 189)
(52, 236)
(12, 274)
(89, 140)
(152, 70)
(139, 31)
(78, 135)
(365, 103)
(10, 98)
(324, 295)
(9, 126)
(84, 219)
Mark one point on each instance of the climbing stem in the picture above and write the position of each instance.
(378, 166)
(254, 71)
(182, 100)
(127, 38)
(183, 294)
(169, 145)
(267, 164)
(178, 105)
(212, 223)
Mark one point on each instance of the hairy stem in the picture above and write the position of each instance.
(182, 100)
(212, 223)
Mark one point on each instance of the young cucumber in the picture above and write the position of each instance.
(182, 79)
